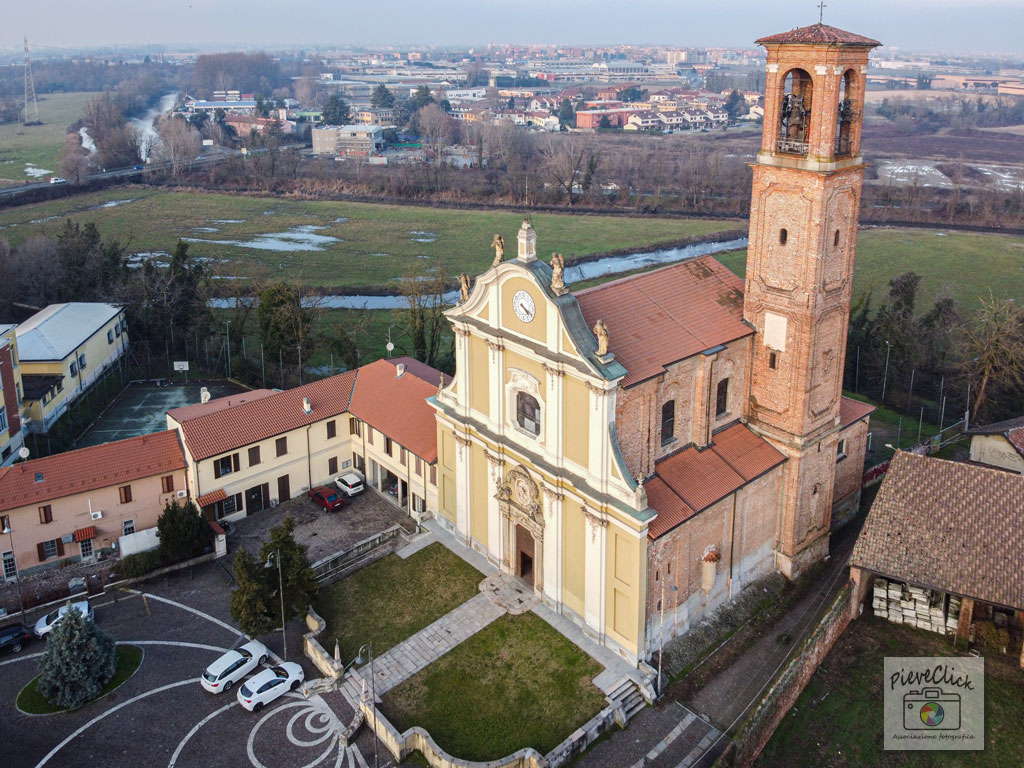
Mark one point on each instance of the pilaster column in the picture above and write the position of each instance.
(553, 417)
(494, 518)
(462, 479)
(496, 386)
(598, 430)
(553, 544)
(594, 573)
(462, 369)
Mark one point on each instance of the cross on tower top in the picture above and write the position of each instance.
(821, 11)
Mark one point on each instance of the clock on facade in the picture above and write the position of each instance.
(522, 305)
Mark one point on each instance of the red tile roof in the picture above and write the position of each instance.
(851, 410)
(211, 434)
(692, 480)
(947, 525)
(657, 318)
(85, 534)
(87, 469)
(217, 404)
(397, 405)
(818, 34)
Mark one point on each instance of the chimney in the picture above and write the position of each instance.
(399, 370)
(204, 395)
(307, 406)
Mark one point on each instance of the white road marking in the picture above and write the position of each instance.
(26, 657)
(180, 644)
(195, 729)
(49, 755)
(353, 752)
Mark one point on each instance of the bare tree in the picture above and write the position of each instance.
(994, 351)
(425, 322)
(438, 130)
(570, 164)
(74, 159)
(179, 143)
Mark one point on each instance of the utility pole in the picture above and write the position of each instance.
(885, 373)
(30, 114)
(227, 349)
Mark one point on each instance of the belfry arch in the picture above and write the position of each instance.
(795, 107)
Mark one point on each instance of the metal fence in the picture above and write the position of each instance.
(355, 556)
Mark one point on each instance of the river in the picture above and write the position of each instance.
(145, 126)
(608, 265)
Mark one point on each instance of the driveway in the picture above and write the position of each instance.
(161, 716)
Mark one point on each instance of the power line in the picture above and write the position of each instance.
(30, 114)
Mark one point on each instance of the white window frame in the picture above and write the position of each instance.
(46, 548)
(10, 566)
(85, 547)
(126, 525)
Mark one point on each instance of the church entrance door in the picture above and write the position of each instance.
(525, 550)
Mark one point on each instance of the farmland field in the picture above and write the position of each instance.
(39, 145)
(332, 244)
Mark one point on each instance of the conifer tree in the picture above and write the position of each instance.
(80, 658)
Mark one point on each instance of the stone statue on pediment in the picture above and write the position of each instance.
(557, 274)
(498, 244)
(601, 332)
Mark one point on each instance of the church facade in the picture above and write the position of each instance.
(640, 451)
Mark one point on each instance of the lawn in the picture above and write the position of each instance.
(963, 265)
(837, 721)
(39, 144)
(129, 657)
(335, 245)
(516, 683)
(392, 599)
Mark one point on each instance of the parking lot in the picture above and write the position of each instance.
(161, 716)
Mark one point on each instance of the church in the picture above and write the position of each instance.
(639, 452)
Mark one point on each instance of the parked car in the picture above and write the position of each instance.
(328, 499)
(222, 674)
(13, 638)
(351, 483)
(261, 689)
(49, 621)
(58, 180)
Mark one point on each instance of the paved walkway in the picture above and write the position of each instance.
(429, 644)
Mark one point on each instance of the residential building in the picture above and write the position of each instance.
(63, 350)
(245, 125)
(79, 504)
(639, 452)
(593, 118)
(240, 106)
(951, 533)
(382, 116)
(999, 445)
(348, 140)
(246, 456)
(12, 432)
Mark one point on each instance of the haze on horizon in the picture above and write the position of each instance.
(956, 26)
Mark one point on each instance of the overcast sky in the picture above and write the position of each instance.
(954, 25)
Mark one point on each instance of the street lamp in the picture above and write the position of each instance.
(17, 576)
(276, 555)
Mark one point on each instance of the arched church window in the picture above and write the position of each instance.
(845, 115)
(783, 236)
(795, 113)
(835, 239)
(528, 413)
(668, 422)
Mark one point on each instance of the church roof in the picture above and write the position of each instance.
(818, 34)
(658, 318)
(693, 479)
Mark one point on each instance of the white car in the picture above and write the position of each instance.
(233, 666)
(259, 690)
(49, 621)
(58, 180)
(350, 483)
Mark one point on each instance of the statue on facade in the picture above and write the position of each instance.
(557, 274)
(601, 332)
(498, 244)
(463, 287)
(640, 494)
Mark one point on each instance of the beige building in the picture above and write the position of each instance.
(252, 451)
(77, 505)
(348, 140)
(640, 451)
(64, 348)
(12, 434)
(999, 445)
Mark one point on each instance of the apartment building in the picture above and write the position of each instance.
(63, 349)
(12, 434)
(348, 140)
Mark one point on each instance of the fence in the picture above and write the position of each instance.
(356, 556)
(756, 730)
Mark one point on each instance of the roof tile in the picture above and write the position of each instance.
(818, 34)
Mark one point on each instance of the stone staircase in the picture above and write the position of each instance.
(626, 700)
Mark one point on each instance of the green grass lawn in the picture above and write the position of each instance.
(837, 721)
(39, 144)
(963, 265)
(376, 245)
(516, 683)
(129, 657)
(392, 599)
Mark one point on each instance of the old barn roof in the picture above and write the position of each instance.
(947, 525)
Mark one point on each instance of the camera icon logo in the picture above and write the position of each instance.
(931, 709)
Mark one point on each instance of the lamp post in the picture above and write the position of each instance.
(17, 576)
(280, 591)
(366, 652)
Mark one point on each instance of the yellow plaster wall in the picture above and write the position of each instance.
(532, 367)
(478, 494)
(537, 328)
(573, 555)
(623, 586)
(479, 375)
(576, 421)
(446, 472)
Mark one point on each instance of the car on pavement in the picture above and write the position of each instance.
(261, 689)
(49, 621)
(58, 180)
(328, 499)
(227, 670)
(351, 483)
(14, 637)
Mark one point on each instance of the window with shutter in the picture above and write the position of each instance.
(125, 492)
(332, 430)
(332, 465)
(353, 426)
(254, 456)
(281, 445)
(46, 514)
(167, 483)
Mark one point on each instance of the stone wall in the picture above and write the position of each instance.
(759, 725)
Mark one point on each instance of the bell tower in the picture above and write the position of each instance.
(803, 230)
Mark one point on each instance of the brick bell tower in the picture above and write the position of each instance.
(803, 232)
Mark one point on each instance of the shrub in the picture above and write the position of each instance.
(139, 564)
(184, 533)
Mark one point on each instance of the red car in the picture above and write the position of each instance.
(328, 499)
